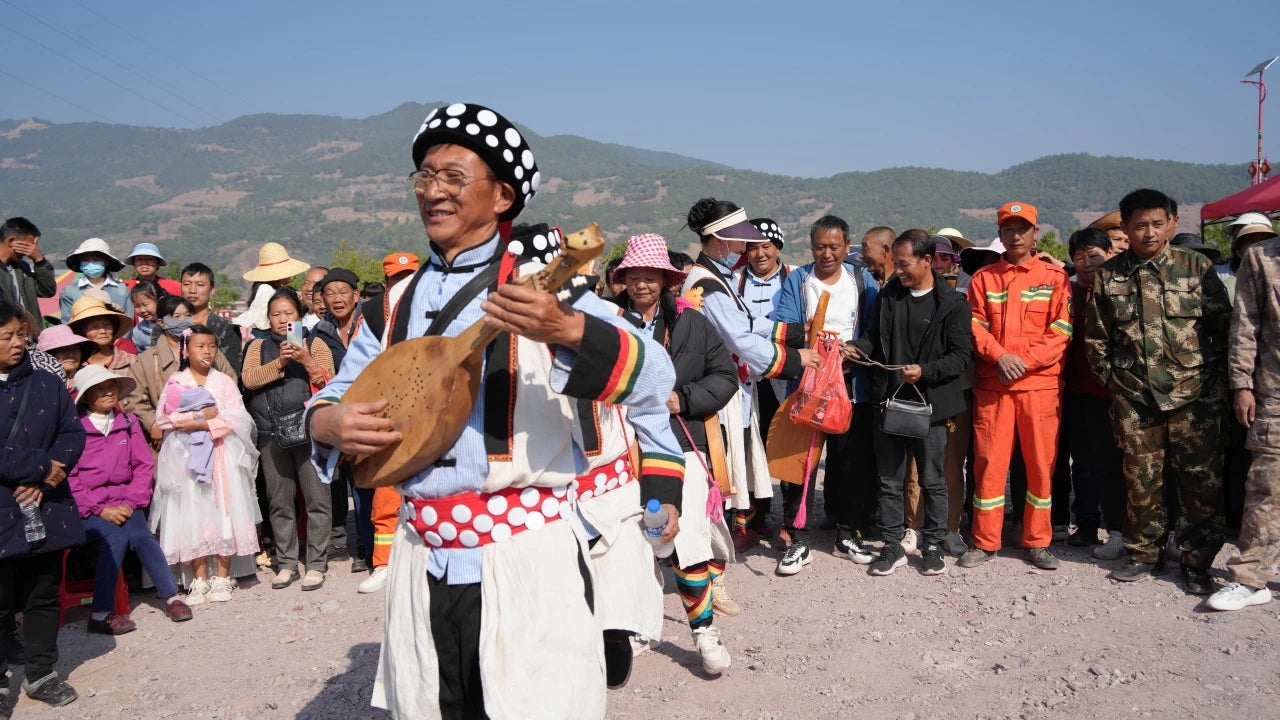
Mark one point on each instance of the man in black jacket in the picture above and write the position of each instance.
(922, 326)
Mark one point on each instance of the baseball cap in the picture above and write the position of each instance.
(1016, 209)
(397, 263)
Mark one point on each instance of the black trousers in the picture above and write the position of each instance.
(29, 585)
(930, 453)
(455, 627)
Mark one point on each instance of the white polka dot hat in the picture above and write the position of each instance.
(490, 136)
(539, 243)
(770, 230)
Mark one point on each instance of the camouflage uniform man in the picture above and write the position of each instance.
(1253, 365)
(1157, 337)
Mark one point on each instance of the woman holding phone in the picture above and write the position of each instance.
(280, 373)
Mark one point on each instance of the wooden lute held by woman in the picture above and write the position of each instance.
(431, 382)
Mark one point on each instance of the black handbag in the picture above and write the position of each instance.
(906, 418)
(288, 429)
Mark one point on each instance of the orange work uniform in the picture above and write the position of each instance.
(1024, 310)
(385, 513)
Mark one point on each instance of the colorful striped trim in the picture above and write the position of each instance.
(987, 503)
(1039, 503)
(779, 362)
(997, 297)
(779, 334)
(661, 464)
(1063, 327)
(626, 370)
(983, 323)
(1044, 295)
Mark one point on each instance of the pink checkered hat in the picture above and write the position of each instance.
(649, 251)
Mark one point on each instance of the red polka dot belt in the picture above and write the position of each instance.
(471, 520)
(605, 478)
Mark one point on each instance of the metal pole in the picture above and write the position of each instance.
(1262, 96)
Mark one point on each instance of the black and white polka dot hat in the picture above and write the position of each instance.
(539, 243)
(490, 136)
(770, 230)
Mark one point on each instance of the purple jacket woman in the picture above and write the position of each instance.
(116, 468)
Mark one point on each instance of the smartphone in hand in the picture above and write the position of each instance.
(293, 333)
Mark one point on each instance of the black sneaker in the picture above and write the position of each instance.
(933, 563)
(1132, 571)
(6, 704)
(794, 559)
(359, 565)
(892, 557)
(848, 547)
(1197, 581)
(1086, 535)
(51, 690)
(338, 553)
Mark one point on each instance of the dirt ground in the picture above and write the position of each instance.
(1004, 640)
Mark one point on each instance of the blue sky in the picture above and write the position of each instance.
(800, 88)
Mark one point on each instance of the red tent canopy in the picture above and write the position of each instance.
(1263, 197)
(49, 306)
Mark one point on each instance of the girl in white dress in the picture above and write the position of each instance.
(205, 500)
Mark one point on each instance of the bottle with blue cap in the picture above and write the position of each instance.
(654, 522)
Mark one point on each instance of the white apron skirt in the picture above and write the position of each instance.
(541, 653)
(748, 465)
(699, 539)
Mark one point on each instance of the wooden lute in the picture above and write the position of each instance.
(789, 444)
(431, 383)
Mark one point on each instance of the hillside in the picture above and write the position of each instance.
(216, 194)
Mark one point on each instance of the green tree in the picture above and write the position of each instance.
(1215, 236)
(366, 266)
(1049, 243)
(225, 293)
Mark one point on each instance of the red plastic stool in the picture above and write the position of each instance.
(78, 593)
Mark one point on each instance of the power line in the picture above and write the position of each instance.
(55, 95)
(95, 73)
(80, 39)
(142, 41)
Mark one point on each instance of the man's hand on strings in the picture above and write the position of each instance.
(536, 315)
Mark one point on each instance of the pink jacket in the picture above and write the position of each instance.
(116, 468)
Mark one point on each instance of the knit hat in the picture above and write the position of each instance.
(274, 264)
(338, 275)
(90, 307)
(145, 249)
(91, 375)
(489, 135)
(94, 245)
(61, 336)
(770, 230)
(648, 251)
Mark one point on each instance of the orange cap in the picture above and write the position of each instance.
(397, 263)
(1016, 209)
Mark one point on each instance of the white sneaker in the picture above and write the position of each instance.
(198, 592)
(910, 539)
(220, 589)
(375, 582)
(1113, 548)
(794, 559)
(640, 645)
(715, 656)
(850, 549)
(1236, 596)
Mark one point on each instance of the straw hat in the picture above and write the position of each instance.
(648, 251)
(90, 307)
(94, 245)
(60, 336)
(958, 241)
(91, 375)
(1110, 221)
(274, 263)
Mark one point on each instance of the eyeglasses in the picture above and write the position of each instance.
(448, 180)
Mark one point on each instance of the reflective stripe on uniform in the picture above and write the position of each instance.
(997, 297)
(1063, 327)
(1039, 503)
(383, 538)
(987, 503)
(983, 323)
(1044, 294)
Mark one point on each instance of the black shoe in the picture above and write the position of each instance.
(1132, 571)
(1086, 535)
(1198, 582)
(617, 658)
(933, 563)
(359, 565)
(51, 690)
(892, 557)
(6, 704)
(848, 547)
(338, 553)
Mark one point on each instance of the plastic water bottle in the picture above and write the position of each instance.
(655, 521)
(32, 523)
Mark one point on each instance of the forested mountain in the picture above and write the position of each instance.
(310, 182)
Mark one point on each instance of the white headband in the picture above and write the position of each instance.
(733, 218)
